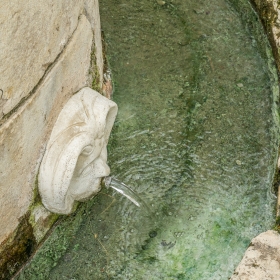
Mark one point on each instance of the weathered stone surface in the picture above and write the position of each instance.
(261, 260)
(269, 12)
(32, 33)
(23, 136)
(92, 13)
(41, 219)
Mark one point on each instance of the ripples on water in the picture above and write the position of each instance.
(194, 137)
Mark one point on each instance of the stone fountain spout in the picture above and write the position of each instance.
(75, 160)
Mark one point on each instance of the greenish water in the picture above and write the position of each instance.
(195, 137)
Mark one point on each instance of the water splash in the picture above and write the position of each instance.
(126, 191)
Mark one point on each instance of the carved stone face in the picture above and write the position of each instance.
(76, 154)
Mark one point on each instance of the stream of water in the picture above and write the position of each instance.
(127, 192)
(195, 137)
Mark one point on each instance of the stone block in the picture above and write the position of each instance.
(32, 33)
(261, 260)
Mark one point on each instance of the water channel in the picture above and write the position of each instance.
(195, 137)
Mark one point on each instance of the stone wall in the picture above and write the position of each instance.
(48, 51)
(269, 13)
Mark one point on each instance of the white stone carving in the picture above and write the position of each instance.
(76, 154)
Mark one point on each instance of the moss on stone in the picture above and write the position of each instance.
(54, 247)
(277, 224)
(20, 245)
(17, 248)
(268, 16)
(94, 73)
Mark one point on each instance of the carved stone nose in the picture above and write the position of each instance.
(76, 156)
(100, 168)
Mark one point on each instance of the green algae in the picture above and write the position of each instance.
(53, 248)
(94, 73)
(17, 248)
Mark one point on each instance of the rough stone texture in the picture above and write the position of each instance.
(42, 220)
(269, 12)
(92, 13)
(278, 202)
(24, 135)
(33, 33)
(261, 260)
